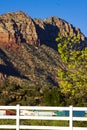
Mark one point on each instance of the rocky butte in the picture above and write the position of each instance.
(17, 27)
(28, 55)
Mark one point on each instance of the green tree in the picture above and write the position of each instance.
(73, 77)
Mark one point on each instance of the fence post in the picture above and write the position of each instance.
(71, 118)
(18, 117)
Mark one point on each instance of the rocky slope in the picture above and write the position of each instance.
(28, 56)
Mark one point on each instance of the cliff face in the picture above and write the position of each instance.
(16, 28)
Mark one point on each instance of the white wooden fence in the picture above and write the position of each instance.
(28, 113)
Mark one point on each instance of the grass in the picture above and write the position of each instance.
(42, 123)
(34, 122)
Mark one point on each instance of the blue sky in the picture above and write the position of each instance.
(73, 11)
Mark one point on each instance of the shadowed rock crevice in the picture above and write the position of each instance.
(47, 35)
(18, 33)
(52, 81)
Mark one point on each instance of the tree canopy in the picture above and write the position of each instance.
(73, 78)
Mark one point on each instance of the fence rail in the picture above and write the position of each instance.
(42, 113)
